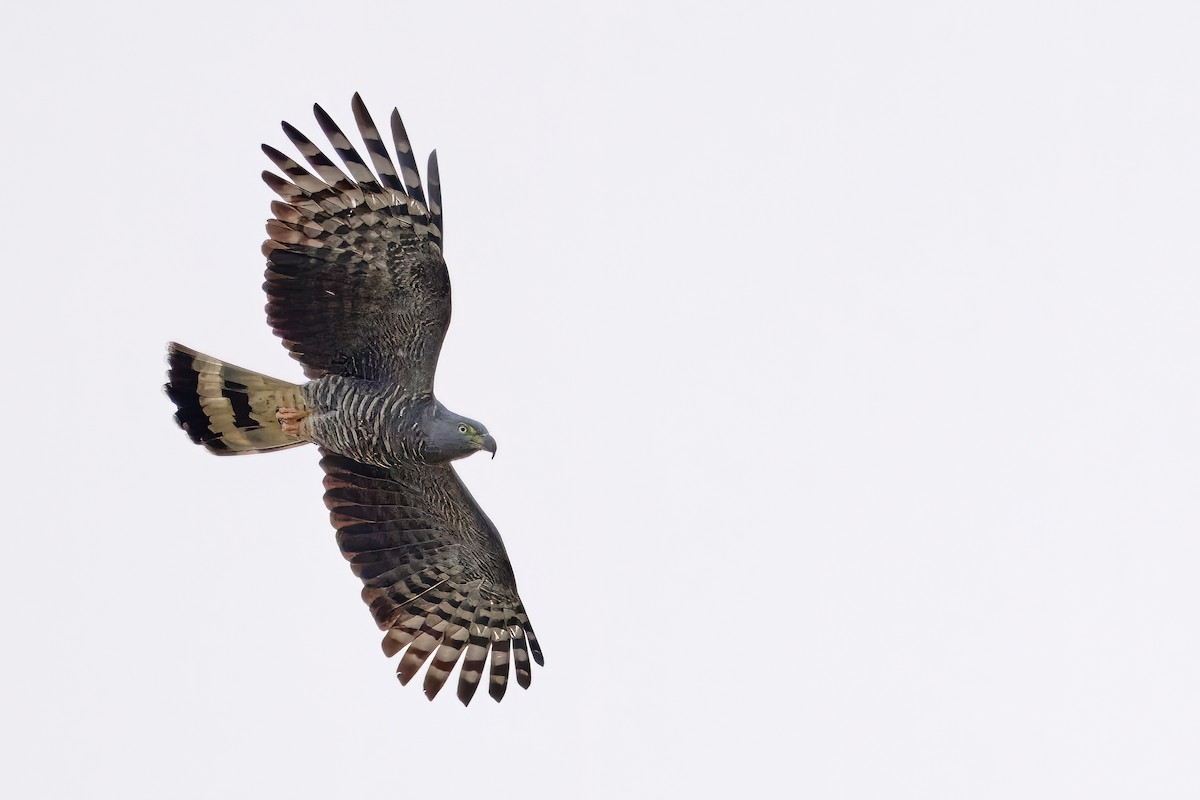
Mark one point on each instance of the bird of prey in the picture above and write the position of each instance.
(358, 290)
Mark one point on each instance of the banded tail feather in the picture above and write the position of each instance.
(228, 409)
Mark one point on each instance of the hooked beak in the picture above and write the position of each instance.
(486, 442)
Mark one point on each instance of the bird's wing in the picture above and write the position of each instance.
(356, 283)
(435, 573)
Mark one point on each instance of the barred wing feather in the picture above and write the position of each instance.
(356, 283)
(434, 572)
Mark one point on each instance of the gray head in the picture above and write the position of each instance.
(449, 436)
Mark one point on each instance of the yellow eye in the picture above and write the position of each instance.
(462, 428)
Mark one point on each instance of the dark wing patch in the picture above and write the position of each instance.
(434, 572)
(356, 284)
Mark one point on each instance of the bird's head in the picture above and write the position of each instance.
(451, 437)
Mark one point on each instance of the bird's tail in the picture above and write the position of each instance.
(228, 409)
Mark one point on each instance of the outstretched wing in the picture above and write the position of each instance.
(435, 573)
(356, 284)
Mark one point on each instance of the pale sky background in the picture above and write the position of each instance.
(842, 357)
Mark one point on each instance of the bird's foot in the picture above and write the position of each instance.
(292, 421)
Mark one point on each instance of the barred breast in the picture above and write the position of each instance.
(374, 423)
